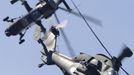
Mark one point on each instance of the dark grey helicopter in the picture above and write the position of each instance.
(43, 9)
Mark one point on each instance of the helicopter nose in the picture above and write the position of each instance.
(7, 33)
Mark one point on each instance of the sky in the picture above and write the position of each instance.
(118, 27)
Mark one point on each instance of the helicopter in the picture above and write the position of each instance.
(43, 9)
(82, 64)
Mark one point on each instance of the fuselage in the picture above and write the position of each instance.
(42, 10)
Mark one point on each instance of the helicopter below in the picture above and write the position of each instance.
(82, 64)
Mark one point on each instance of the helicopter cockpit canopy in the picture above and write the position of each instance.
(97, 65)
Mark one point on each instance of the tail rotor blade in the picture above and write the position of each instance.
(125, 53)
(117, 62)
(61, 25)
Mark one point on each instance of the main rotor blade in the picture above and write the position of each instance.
(91, 19)
(67, 42)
